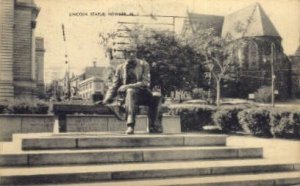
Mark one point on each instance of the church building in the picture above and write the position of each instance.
(257, 49)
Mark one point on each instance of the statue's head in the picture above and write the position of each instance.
(130, 54)
(130, 51)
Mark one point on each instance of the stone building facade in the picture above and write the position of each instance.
(295, 73)
(90, 86)
(17, 49)
(85, 84)
(257, 48)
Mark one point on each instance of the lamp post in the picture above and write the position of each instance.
(272, 74)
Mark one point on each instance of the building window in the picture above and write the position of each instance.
(253, 55)
(240, 55)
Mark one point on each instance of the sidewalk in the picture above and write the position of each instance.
(276, 149)
(294, 104)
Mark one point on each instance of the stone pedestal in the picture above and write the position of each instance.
(171, 124)
(101, 123)
(24, 123)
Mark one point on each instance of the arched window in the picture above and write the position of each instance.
(240, 55)
(252, 55)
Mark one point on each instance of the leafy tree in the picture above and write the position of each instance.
(174, 64)
(218, 55)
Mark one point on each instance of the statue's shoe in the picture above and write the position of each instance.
(129, 130)
(155, 129)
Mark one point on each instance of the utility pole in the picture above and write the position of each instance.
(272, 73)
(67, 63)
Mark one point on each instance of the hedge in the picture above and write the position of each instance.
(256, 121)
(27, 106)
(227, 120)
(263, 94)
(285, 123)
(3, 107)
(193, 117)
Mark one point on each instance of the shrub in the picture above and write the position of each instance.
(193, 117)
(28, 106)
(263, 94)
(200, 94)
(42, 107)
(285, 123)
(3, 107)
(227, 119)
(296, 119)
(255, 121)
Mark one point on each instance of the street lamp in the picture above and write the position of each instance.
(273, 50)
(271, 58)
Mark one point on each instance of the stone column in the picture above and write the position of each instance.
(39, 66)
(6, 49)
(24, 48)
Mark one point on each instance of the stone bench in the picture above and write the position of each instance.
(109, 123)
(89, 118)
(61, 110)
(101, 123)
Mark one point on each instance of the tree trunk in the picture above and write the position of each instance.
(218, 92)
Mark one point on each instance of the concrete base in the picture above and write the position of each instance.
(171, 124)
(101, 123)
(24, 123)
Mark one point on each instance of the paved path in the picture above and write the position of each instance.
(282, 149)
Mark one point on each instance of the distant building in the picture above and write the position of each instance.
(74, 85)
(94, 71)
(295, 73)
(202, 22)
(253, 35)
(92, 80)
(90, 86)
(17, 49)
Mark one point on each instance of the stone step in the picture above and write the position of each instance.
(77, 174)
(121, 155)
(262, 179)
(114, 141)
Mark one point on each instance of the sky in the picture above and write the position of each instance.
(82, 30)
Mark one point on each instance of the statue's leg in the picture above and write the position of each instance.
(154, 111)
(130, 106)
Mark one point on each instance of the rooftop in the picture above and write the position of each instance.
(248, 22)
(202, 21)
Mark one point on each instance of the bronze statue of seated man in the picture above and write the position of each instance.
(131, 88)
